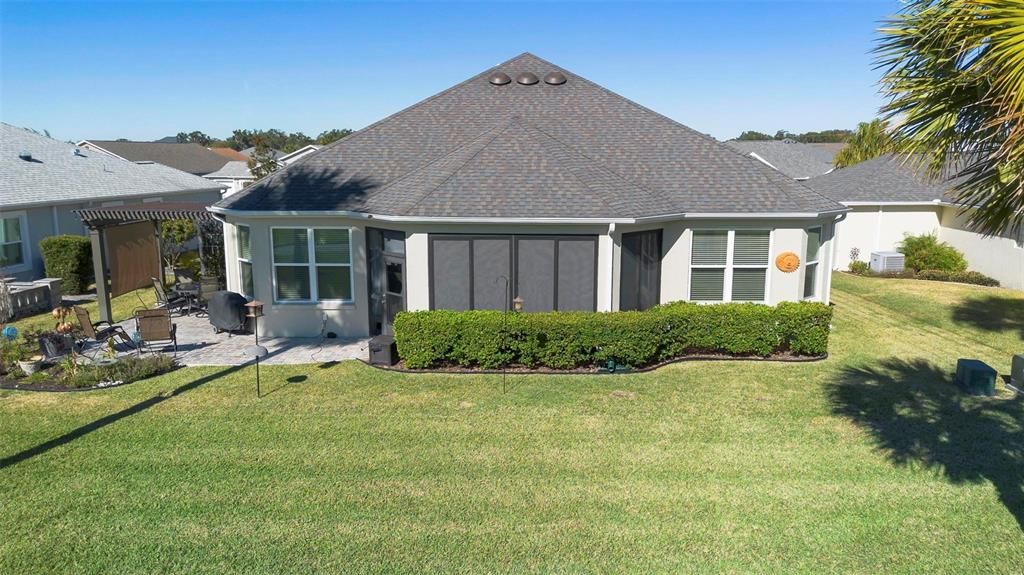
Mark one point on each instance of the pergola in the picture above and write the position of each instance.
(126, 251)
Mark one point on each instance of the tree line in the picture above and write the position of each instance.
(286, 142)
(822, 137)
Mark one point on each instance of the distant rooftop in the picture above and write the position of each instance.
(191, 158)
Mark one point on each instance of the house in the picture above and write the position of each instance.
(524, 182)
(890, 198)
(43, 180)
(187, 157)
(234, 175)
(796, 160)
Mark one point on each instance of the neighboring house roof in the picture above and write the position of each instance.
(883, 179)
(57, 174)
(168, 140)
(230, 154)
(191, 158)
(566, 150)
(297, 154)
(796, 160)
(832, 148)
(277, 154)
(233, 170)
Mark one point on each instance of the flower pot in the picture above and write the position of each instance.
(30, 366)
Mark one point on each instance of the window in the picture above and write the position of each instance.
(12, 241)
(811, 262)
(312, 264)
(729, 265)
(245, 261)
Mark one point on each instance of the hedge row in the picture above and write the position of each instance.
(70, 259)
(969, 277)
(567, 340)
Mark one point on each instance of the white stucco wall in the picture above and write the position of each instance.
(881, 228)
(999, 256)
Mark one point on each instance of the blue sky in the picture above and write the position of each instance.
(144, 70)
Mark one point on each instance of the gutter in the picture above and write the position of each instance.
(463, 220)
(217, 189)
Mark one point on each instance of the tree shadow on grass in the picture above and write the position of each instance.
(916, 414)
(992, 313)
(113, 418)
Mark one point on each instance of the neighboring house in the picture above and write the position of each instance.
(796, 160)
(231, 154)
(890, 198)
(235, 175)
(289, 159)
(187, 157)
(525, 181)
(43, 180)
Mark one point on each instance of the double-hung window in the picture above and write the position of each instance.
(245, 260)
(727, 265)
(12, 241)
(811, 262)
(312, 264)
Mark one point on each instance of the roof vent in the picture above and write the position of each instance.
(78, 153)
(25, 155)
(499, 79)
(554, 78)
(527, 79)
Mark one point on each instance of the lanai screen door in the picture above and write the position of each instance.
(547, 272)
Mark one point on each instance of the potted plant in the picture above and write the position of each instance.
(28, 362)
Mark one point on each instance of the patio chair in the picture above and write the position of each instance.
(154, 325)
(174, 302)
(183, 276)
(100, 331)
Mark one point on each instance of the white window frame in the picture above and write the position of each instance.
(26, 262)
(816, 262)
(241, 260)
(729, 266)
(311, 266)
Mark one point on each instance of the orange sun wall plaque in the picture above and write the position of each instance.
(787, 262)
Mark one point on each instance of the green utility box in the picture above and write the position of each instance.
(975, 377)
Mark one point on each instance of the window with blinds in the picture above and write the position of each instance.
(245, 260)
(811, 262)
(727, 265)
(312, 264)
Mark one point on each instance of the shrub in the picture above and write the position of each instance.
(70, 259)
(567, 340)
(860, 268)
(969, 277)
(126, 370)
(926, 252)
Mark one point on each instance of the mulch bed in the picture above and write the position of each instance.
(594, 370)
(54, 385)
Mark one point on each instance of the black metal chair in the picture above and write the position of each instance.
(173, 302)
(101, 331)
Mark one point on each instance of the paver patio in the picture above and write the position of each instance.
(199, 345)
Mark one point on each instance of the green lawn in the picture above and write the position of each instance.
(867, 462)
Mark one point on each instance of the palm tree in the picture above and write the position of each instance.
(869, 140)
(954, 75)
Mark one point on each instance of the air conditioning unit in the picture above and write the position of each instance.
(886, 262)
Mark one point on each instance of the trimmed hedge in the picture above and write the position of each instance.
(968, 277)
(568, 340)
(69, 258)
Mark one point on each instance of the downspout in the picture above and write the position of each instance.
(835, 247)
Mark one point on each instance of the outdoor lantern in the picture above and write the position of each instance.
(517, 303)
(254, 309)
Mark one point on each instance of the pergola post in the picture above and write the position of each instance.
(99, 268)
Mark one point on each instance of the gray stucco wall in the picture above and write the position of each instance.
(351, 319)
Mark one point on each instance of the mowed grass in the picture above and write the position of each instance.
(867, 462)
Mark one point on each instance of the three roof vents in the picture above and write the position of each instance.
(526, 78)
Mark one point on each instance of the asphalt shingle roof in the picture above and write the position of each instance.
(544, 151)
(883, 179)
(796, 160)
(233, 169)
(189, 157)
(55, 174)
